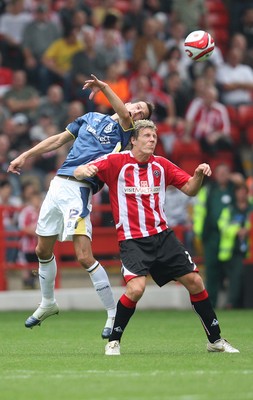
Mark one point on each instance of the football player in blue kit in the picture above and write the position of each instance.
(65, 212)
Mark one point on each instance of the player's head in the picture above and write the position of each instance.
(140, 109)
(144, 138)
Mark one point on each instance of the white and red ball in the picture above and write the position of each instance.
(199, 45)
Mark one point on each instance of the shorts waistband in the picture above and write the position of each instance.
(72, 178)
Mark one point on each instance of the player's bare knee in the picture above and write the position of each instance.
(85, 260)
(43, 253)
(135, 292)
(195, 284)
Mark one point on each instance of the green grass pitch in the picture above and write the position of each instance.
(163, 357)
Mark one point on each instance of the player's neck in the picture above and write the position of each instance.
(140, 157)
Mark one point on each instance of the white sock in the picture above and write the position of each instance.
(47, 274)
(102, 285)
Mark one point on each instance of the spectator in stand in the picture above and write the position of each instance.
(18, 131)
(27, 221)
(164, 105)
(84, 63)
(178, 210)
(79, 21)
(234, 227)
(198, 87)
(67, 12)
(37, 37)
(193, 14)
(136, 15)
(112, 22)
(164, 112)
(109, 52)
(53, 105)
(129, 36)
(4, 115)
(210, 201)
(176, 40)
(21, 97)
(207, 120)
(4, 151)
(100, 11)
(246, 26)
(163, 24)
(238, 40)
(12, 25)
(9, 215)
(235, 79)
(143, 68)
(172, 62)
(178, 90)
(6, 78)
(148, 46)
(57, 59)
(74, 110)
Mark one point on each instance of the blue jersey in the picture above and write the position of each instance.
(95, 135)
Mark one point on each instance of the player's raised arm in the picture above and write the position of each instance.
(117, 104)
(49, 144)
(193, 185)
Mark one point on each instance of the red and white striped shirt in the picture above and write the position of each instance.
(137, 191)
(208, 120)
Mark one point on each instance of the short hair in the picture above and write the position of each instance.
(151, 108)
(141, 124)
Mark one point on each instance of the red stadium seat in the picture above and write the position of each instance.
(234, 121)
(249, 135)
(222, 157)
(216, 6)
(233, 114)
(236, 134)
(187, 155)
(245, 115)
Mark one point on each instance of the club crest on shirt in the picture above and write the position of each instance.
(157, 173)
(108, 128)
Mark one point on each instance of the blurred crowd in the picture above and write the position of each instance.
(49, 48)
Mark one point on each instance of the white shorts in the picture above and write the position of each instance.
(66, 210)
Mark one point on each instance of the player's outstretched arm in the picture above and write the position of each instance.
(117, 104)
(193, 185)
(49, 144)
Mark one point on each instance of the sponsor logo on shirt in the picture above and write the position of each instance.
(141, 189)
(102, 139)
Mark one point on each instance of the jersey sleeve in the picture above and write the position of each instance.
(174, 175)
(74, 126)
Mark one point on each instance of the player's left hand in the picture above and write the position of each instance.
(203, 170)
(94, 84)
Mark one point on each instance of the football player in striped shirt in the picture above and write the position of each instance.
(137, 180)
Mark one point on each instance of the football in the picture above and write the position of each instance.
(199, 45)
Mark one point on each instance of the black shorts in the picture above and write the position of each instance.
(162, 256)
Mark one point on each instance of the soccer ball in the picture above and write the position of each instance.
(199, 45)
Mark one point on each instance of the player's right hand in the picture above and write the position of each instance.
(16, 165)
